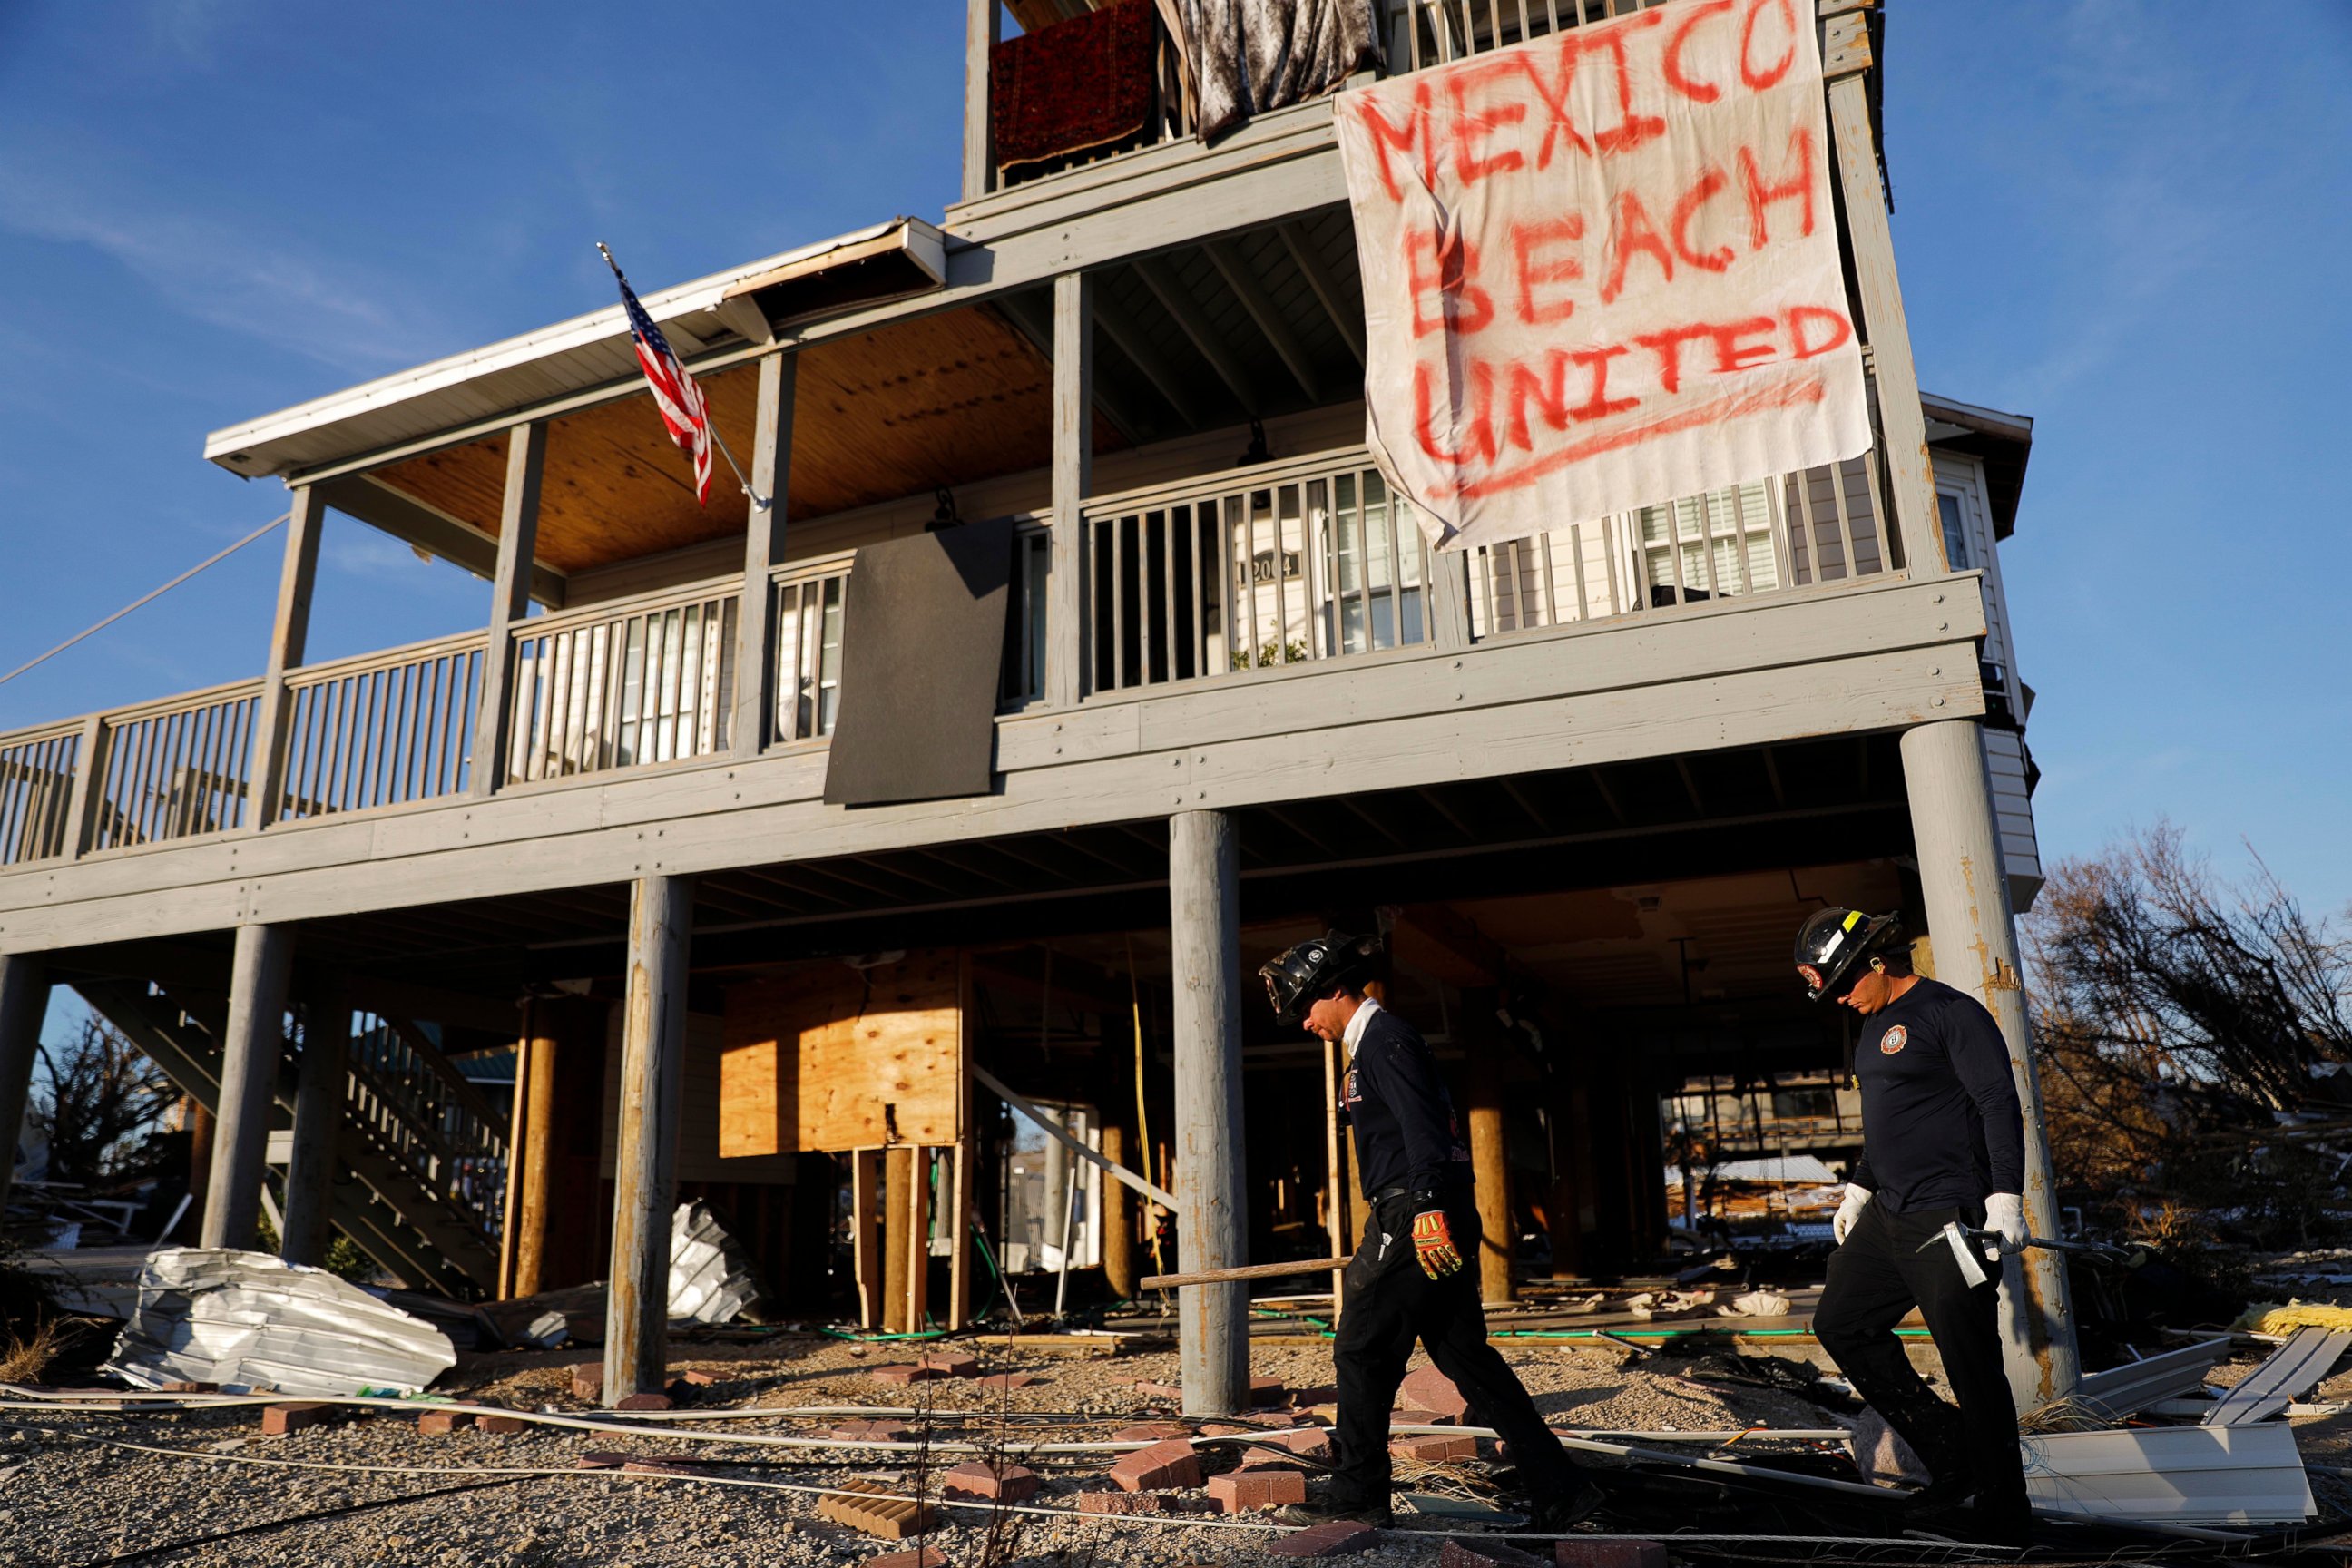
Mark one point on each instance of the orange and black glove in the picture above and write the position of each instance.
(1433, 1244)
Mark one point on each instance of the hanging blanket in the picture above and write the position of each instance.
(1246, 56)
(1082, 83)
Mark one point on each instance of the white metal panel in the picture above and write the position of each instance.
(2171, 1475)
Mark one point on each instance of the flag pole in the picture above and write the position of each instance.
(759, 502)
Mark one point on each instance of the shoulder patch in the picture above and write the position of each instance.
(1894, 1040)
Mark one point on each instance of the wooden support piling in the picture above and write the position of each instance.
(24, 1003)
(1967, 895)
(1490, 1165)
(319, 1096)
(866, 1203)
(958, 1230)
(645, 1173)
(1204, 930)
(1117, 1220)
(1335, 1170)
(530, 1153)
(255, 1038)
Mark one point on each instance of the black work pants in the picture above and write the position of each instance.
(1876, 1277)
(1389, 1303)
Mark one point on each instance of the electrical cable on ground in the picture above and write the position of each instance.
(191, 1543)
(145, 598)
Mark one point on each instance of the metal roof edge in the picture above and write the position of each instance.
(546, 343)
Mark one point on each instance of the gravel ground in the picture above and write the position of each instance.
(66, 1500)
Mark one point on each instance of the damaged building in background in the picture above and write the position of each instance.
(773, 855)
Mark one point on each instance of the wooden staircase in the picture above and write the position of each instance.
(421, 1158)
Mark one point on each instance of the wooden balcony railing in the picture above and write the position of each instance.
(36, 776)
(652, 680)
(174, 769)
(385, 729)
(1432, 32)
(1288, 564)
(1300, 562)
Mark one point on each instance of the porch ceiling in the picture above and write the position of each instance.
(940, 399)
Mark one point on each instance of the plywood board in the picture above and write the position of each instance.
(834, 1058)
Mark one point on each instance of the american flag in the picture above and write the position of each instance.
(675, 393)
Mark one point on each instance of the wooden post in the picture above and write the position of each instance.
(866, 1195)
(1204, 936)
(1117, 1220)
(254, 1040)
(24, 1004)
(763, 546)
(318, 1113)
(289, 634)
(1449, 598)
(1490, 1164)
(1335, 1170)
(530, 1153)
(89, 787)
(959, 1233)
(1067, 639)
(897, 1197)
(645, 1173)
(917, 1243)
(517, 1130)
(1960, 877)
(203, 1129)
(983, 25)
(509, 603)
(1902, 426)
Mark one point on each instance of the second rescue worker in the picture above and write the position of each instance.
(1407, 1281)
(1943, 1139)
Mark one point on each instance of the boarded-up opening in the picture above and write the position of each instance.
(835, 1059)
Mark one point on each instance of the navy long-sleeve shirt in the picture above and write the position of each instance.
(1406, 1132)
(1941, 1126)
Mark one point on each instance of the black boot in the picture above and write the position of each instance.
(1558, 1515)
(1330, 1510)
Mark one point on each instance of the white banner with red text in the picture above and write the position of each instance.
(1600, 269)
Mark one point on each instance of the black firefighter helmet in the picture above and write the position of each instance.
(1300, 977)
(1833, 940)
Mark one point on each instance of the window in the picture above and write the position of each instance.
(1956, 533)
(1707, 546)
(1360, 546)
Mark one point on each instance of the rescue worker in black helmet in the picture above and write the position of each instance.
(1407, 1281)
(1943, 1139)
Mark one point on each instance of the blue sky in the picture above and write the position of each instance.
(2128, 220)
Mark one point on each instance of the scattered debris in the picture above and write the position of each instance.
(876, 1508)
(711, 1275)
(246, 1319)
(2170, 1475)
(2294, 1368)
(2125, 1390)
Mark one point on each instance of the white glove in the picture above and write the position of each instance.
(2005, 1217)
(1857, 1200)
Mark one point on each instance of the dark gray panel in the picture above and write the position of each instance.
(921, 653)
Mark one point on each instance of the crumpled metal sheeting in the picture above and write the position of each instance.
(219, 1316)
(711, 1275)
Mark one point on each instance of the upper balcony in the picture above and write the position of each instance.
(1207, 598)
(1093, 104)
